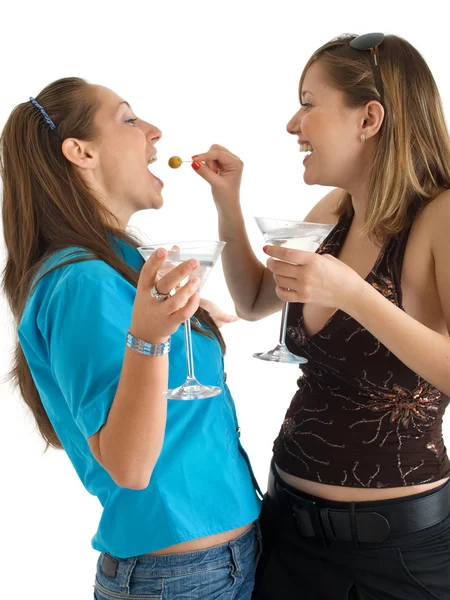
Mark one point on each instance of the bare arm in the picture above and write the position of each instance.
(129, 443)
(318, 279)
(423, 350)
(250, 283)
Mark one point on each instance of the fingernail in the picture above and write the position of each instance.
(195, 281)
(193, 262)
(196, 166)
(160, 253)
(264, 248)
(195, 155)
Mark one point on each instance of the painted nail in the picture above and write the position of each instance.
(196, 166)
(264, 248)
(195, 155)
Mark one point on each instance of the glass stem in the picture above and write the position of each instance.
(284, 316)
(189, 353)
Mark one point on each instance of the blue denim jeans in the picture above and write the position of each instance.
(225, 572)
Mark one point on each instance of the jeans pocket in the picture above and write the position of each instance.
(102, 593)
(208, 584)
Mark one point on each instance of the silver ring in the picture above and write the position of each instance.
(157, 296)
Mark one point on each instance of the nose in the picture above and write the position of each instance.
(294, 125)
(153, 134)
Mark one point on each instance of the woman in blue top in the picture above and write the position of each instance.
(176, 487)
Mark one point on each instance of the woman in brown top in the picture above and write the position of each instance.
(358, 499)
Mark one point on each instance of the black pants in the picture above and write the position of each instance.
(409, 566)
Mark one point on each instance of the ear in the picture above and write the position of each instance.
(372, 120)
(79, 153)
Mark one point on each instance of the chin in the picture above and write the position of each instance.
(153, 201)
(157, 203)
(309, 179)
(152, 204)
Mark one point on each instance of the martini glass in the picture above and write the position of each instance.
(298, 235)
(206, 254)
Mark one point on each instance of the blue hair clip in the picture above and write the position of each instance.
(42, 110)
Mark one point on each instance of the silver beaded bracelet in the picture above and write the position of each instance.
(146, 348)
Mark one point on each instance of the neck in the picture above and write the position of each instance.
(116, 221)
(358, 192)
(118, 214)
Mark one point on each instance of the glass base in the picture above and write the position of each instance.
(192, 390)
(281, 354)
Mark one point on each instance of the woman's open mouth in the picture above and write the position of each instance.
(306, 147)
(150, 161)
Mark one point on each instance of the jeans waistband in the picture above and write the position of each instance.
(166, 565)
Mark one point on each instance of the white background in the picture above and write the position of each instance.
(205, 72)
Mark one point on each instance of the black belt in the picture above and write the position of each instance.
(372, 524)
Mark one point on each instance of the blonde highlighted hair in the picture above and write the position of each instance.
(412, 157)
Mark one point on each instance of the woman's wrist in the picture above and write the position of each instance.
(358, 298)
(230, 214)
(147, 348)
(149, 339)
(226, 201)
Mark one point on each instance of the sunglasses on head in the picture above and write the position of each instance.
(371, 41)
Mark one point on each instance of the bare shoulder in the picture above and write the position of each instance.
(439, 206)
(437, 227)
(325, 210)
(434, 220)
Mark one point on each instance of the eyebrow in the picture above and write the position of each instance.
(123, 102)
(304, 92)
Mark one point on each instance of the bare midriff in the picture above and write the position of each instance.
(204, 542)
(350, 494)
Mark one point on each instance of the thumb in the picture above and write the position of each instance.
(229, 318)
(150, 269)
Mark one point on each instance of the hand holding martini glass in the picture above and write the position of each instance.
(206, 254)
(297, 235)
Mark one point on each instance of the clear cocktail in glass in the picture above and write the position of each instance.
(298, 235)
(206, 253)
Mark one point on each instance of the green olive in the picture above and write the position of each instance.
(175, 162)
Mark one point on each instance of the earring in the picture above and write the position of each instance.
(363, 138)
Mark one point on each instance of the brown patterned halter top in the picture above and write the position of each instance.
(360, 417)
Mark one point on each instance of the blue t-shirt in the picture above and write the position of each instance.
(73, 333)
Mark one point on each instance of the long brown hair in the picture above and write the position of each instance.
(412, 157)
(48, 207)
